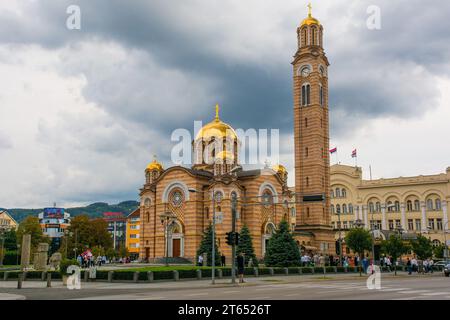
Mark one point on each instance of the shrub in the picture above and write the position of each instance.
(123, 275)
(278, 271)
(34, 274)
(66, 263)
(187, 274)
(162, 275)
(293, 270)
(263, 271)
(307, 270)
(329, 269)
(340, 269)
(318, 269)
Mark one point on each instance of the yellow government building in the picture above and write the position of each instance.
(6, 221)
(410, 205)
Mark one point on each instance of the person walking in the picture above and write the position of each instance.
(241, 267)
(222, 260)
(430, 265)
(409, 266)
(200, 260)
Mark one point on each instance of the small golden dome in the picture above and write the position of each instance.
(155, 165)
(310, 20)
(278, 168)
(225, 155)
(217, 129)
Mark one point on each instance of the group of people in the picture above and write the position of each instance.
(318, 260)
(413, 265)
(240, 263)
(87, 261)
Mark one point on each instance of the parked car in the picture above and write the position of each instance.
(441, 263)
(447, 270)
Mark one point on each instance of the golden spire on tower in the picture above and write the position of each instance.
(310, 10)
(310, 19)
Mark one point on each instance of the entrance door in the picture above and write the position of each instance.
(147, 253)
(176, 247)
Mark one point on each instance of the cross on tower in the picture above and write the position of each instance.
(310, 9)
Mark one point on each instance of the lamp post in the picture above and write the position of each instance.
(17, 254)
(340, 238)
(359, 224)
(166, 219)
(67, 235)
(445, 242)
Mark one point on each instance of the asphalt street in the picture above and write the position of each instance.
(402, 287)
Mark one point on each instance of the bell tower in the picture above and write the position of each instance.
(311, 134)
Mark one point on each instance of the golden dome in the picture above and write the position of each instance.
(278, 168)
(155, 165)
(310, 20)
(216, 128)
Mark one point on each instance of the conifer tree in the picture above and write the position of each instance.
(206, 247)
(282, 250)
(246, 245)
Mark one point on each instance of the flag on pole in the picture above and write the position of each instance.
(333, 150)
(354, 153)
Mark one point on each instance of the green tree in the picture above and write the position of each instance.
(359, 240)
(439, 251)
(11, 240)
(282, 250)
(394, 247)
(246, 245)
(85, 233)
(206, 247)
(422, 247)
(31, 226)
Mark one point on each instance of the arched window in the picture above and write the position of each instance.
(371, 207)
(378, 207)
(436, 243)
(313, 36)
(350, 208)
(344, 208)
(389, 206)
(331, 194)
(344, 193)
(338, 209)
(438, 204)
(416, 205)
(321, 96)
(338, 193)
(147, 202)
(397, 206)
(430, 204)
(409, 206)
(306, 95)
(304, 37)
(332, 209)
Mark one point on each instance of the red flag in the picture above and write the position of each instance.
(354, 153)
(333, 150)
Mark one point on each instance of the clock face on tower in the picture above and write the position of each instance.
(305, 72)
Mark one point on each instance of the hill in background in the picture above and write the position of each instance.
(93, 210)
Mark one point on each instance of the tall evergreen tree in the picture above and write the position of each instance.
(246, 245)
(282, 250)
(206, 247)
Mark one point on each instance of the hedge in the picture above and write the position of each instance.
(263, 271)
(293, 270)
(318, 269)
(307, 270)
(278, 271)
(162, 275)
(10, 258)
(124, 275)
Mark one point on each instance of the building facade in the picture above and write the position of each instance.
(117, 224)
(132, 233)
(6, 221)
(54, 221)
(311, 134)
(411, 205)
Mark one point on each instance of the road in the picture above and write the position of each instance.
(402, 287)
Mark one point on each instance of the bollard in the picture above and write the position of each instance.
(271, 271)
(19, 281)
(255, 271)
(5, 276)
(199, 274)
(150, 276)
(286, 271)
(219, 273)
(86, 275)
(110, 276)
(176, 275)
(49, 279)
(136, 276)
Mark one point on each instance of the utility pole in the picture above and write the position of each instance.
(233, 230)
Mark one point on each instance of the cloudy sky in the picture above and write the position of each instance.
(83, 111)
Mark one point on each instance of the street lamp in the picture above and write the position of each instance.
(359, 224)
(445, 241)
(166, 219)
(67, 234)
(340, 238)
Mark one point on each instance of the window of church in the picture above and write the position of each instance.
(338, 193)
(409, 206)
(332, 209)
(338, 209)
(410, 224)
(371, 207)
(438, 204)
(344, 193)
(176, 198)
(416, 205)
(378, 207)
(306, 95)
(436, 243)
(397, 206)
(147, 202)
(430, 204)
(350, 208)
(219, 196)
(439, 224)
(344, 208)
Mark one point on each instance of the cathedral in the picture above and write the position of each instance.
(178, 203)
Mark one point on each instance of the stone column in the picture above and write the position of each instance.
(356, 213)
(26, 251)
(445, 215)
(424, 217)
(383, 217)
(366, 220)
(402, 208)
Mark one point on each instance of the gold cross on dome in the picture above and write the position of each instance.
(217, 111)
(310, 9)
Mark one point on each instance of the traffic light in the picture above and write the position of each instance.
(236, 238)
(229, 238)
